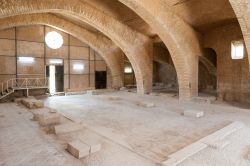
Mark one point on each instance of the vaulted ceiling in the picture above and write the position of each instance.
(203, 15)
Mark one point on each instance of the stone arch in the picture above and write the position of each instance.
(179, 37)
(137, 47)
(242, 11)
(111, 54)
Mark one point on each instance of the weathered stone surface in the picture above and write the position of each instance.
(123, 88)
(99, 91)
(114, 98)
(145, 104)
(19, 100)
(32, 103)
(78, 149)
(47, 119)
(193, 113)
(95, 146)
(181, 155)
(174, 37)
(220, 144)
(208, 100)
(222, 133)
(248, 155)
(38, 104)
(68, 127)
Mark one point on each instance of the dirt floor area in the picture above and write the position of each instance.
(130, 134)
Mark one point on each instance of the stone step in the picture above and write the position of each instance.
(222, 133)
(208, 100)
(95, 146)
(68, 127)
(193, 113)
(32, 103)
(214, 140)
(220, 144)
(114, 98)
(47, 118)
(183, 154)
(78, 149)
(145, 104)
(99, 91)
(83, 147)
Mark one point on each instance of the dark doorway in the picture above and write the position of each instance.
(59, 78)
(100, 79)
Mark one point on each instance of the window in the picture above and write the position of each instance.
(237, 49)
(56, 61)
(26, 59)
(54, 40)
(78, 67)
(128, 70)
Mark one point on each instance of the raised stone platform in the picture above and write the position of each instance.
(183, 154)
(214, 140)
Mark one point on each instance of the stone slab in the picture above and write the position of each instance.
(220, 144)
(99, 91)
(183, 154)
(92, 92)
(222, 133)
(214, 140)
(208, 100)
(32, 103)
(114, 98)
(95, 146)
(37, 115)
(145, 104)
(78, 149)
(193, 113)
(47, 119)
(248, 155)
(38, 104)
(68, 127)
(19, 100)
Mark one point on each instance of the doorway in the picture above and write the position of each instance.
(100, 79)
(55, 73)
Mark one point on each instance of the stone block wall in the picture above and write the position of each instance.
(28, 41)
(233, 76)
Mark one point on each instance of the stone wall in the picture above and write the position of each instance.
(28, 41)
(233, 76)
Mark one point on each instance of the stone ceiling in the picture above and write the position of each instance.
(203, 15)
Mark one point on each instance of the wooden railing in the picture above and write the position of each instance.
(24, 83)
